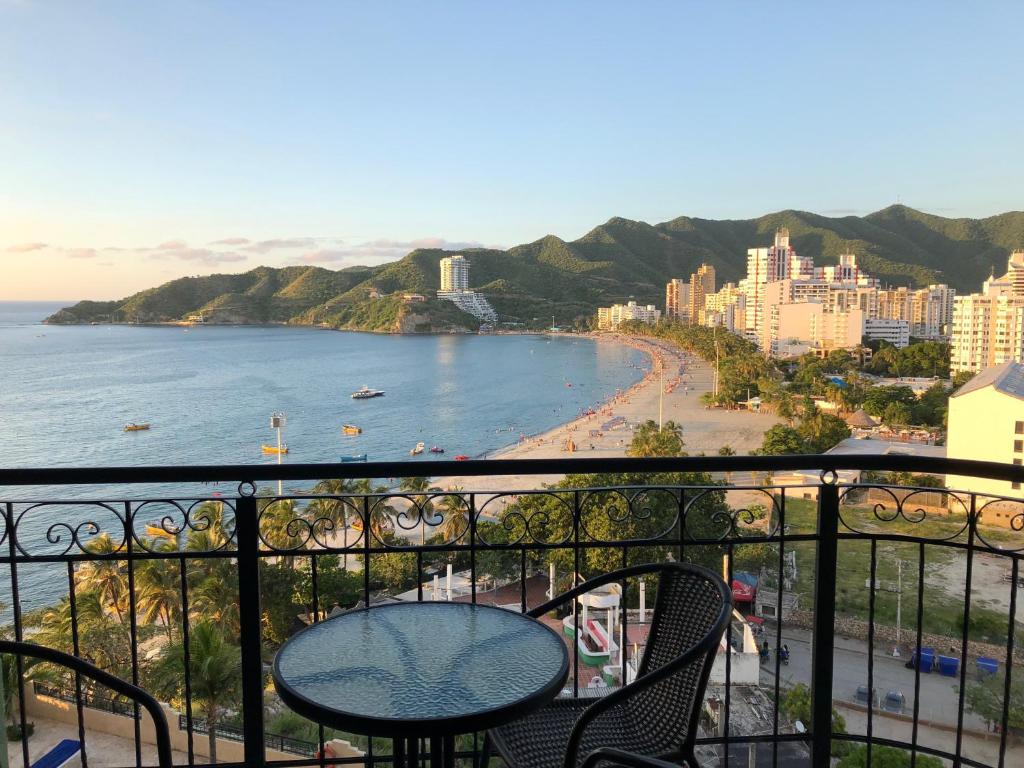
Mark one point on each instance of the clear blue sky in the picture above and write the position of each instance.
(368, 127)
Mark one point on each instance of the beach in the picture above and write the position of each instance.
(608, 431)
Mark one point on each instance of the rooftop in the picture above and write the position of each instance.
(1007, 378)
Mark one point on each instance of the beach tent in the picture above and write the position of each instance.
(62, 754)
(862, 420)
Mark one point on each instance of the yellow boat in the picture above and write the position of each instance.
(133, 427)
(275, 449)
(351, 429)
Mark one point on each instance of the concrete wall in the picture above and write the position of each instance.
(982, 427)
(124, 727)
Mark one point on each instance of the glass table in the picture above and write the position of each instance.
(411, 671)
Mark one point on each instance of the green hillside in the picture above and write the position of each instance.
(616, 261)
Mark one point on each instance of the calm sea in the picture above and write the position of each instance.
(67, 391)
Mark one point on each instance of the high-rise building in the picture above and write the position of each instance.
(677, 299)
(766, 265)
(454, 273)
(702, 284)
(929, 311)
(988, 327)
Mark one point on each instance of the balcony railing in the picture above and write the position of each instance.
(129, 566)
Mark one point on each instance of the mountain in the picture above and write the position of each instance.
(616, 261)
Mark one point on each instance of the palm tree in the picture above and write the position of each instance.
(333, 511)
(106, 577)
(216, 597)
(215, 667)
(455, 513)
(379, 511)
(422, 508)
(159, 590)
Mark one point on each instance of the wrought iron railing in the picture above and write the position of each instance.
(137, 568)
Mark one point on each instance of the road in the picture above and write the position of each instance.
(939, 697)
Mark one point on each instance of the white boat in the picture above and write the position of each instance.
(417, 450)
(364, 393)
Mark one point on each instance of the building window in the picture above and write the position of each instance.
(1018, 446)
(1018, 428)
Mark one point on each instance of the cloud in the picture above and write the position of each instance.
(232, 241)
(81, 253)
(172, 245)
(264, 246)
(379, 251)
(26, 247)
(200, 255)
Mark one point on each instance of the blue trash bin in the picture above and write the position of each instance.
(949, 666)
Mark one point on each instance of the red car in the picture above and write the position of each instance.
(462, 457)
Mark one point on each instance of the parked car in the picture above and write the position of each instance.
(894, 701)
(863, 698)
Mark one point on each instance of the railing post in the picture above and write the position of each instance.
(247, 532)
(824, 620)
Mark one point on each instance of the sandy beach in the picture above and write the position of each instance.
(609, 430)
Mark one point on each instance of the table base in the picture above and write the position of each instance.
(440, 750)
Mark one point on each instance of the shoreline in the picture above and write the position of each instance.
(608, 431)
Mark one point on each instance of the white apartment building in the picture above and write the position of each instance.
(727, 308)
(702, 283)
(795, 328)
(988, 327)
(928, 310)
(895, 332)
(766, 265)
(610, 318)
(677, 299)
(986, 423)
(455, 288)
(454, 273)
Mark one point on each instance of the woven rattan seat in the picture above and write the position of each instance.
(656, 714)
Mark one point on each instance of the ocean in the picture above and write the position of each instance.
(66, 393)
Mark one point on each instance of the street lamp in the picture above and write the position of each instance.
(277, 421)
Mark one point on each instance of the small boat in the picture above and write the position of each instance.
(134, 427)
(353, 458)
(417, 450)
(462, 457)
(364, 393)
(436, 449)
(274, 449)
(351, 429)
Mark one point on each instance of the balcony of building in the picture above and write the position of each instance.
(187, 580)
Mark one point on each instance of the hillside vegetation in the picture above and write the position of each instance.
(614, 262)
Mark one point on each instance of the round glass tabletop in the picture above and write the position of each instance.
(421, 668)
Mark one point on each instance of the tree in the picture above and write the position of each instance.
(106, 577)
(215, 667)
(159, 590)
(334, 509)
(985, 699)
(897, 414)
(455, 513)
(821, 431)
(422, 508)
(651, 441)
(780, 440)
(885, 757)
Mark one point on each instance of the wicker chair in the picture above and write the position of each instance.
(655, 715)
(116, 684)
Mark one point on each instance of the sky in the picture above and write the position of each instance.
(140, 142)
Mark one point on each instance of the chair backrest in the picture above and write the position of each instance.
(692, 608)
(116, 684)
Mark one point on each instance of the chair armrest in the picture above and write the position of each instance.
(116, 684)
(702, 647)
(630, 759)
(597, 581)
